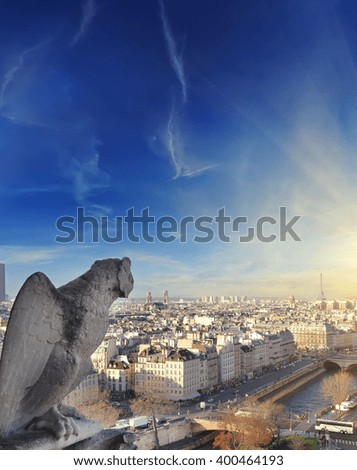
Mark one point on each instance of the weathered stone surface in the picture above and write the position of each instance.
(167, 434)
(42, 440)
(108, 439)
(48, 343)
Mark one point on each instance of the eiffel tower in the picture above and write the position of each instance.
(321, 296)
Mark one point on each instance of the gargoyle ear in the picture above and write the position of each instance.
(126, 263)
(96, 264)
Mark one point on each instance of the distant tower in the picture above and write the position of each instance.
(321, 295)
(292, 301)
(165, 298)
(2, 282)
(148, 298)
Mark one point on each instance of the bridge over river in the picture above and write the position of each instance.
(345, 362)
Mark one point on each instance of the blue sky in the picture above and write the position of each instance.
(184, 108)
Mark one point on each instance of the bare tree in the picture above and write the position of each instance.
(273, 413)
(152, 403)
(243, 432)
(252, 427)
(96, 406)
(337, 387)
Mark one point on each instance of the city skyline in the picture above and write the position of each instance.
(184, 109)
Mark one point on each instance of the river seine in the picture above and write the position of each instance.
(309, 399)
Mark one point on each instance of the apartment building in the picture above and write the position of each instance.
(312, 335)
(176, 373)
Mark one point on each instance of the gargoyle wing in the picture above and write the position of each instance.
(34, 327)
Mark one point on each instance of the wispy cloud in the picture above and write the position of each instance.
(27, 255)
(175, 58)
(173, 139)
(171, 145)
(89, 11)
(25, 121)
(15, 69)
(85, 177)
(72, 139)
(175, 148)
(191, 172)
(36, 190)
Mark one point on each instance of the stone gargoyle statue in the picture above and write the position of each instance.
(49, 340)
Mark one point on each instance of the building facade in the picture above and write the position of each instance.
(312, 335)
(102, 357)
(176, 374)
(119, 376)
(2, 283)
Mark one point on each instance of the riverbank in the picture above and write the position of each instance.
(290, 384)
